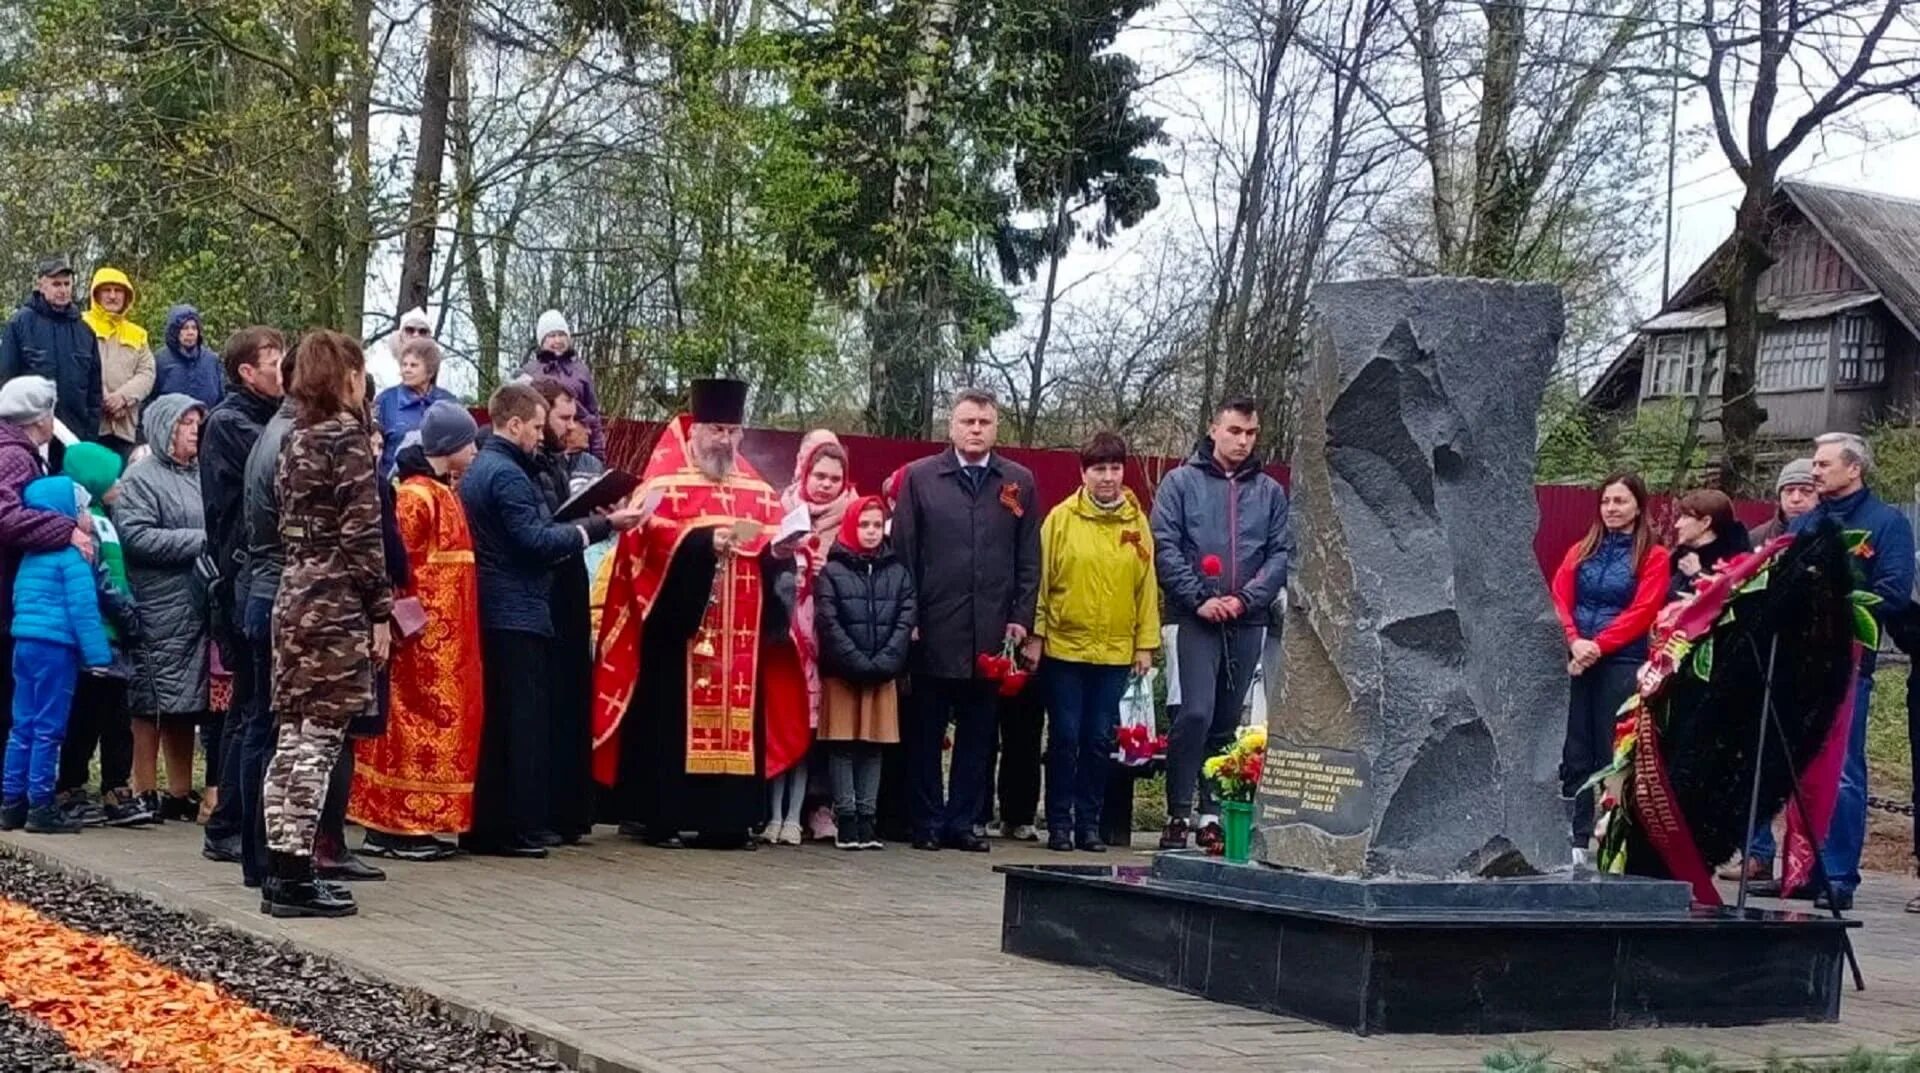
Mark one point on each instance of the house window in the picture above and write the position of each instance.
(1793, 357)
(1677, 359)
(1863, 350)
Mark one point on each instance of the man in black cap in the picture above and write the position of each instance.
(696, 651)
(46, 337)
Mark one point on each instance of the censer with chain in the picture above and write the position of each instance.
(744, 530)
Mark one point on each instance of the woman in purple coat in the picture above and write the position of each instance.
(554, 359)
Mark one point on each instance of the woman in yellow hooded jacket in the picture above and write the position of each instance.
(1098, 620)
(126, 362)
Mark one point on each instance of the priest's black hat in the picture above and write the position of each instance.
(719, 402)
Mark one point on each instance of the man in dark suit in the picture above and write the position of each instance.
(968, 527)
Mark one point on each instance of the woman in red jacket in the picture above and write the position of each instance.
(1607, 592)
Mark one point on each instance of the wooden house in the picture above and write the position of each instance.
(1840, 317)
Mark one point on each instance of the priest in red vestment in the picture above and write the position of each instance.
(415, 781)
(695, 645)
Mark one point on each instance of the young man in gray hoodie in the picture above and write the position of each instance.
(1220, 551)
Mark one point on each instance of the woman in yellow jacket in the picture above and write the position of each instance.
(126, 362)
(1098, 621)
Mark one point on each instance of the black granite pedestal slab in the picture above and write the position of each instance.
(1479, 956)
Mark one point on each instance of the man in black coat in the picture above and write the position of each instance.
(968, 528)
(46, 337)
(252, 358)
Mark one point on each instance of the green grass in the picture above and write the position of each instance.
(1671, 1060)
(1889, 759)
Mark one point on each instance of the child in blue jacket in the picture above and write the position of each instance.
(56, 628)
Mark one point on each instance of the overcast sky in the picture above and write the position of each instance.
(1877, 148)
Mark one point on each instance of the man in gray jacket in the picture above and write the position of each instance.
(1220, 550)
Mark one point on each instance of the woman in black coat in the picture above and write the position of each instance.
(864, 613)
(1706, 534)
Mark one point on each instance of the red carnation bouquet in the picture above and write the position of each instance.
(1003, 667)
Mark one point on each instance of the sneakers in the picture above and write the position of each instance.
(184, 807)
(1174, 835)
(1755, 868)
(122, 809)
(996, 829)
(76, 806)
(790, 835)
(1210, 837)
(869, 829)
(1025, 833)
(49, 820)
(13, 815)
(846, 832)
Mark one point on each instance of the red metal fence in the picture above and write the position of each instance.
(1565, 511)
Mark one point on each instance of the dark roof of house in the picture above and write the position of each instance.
(1877, 235)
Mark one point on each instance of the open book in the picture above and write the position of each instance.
(603, 492)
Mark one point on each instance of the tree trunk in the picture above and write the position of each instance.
(423, 210)
(1741, 414)
(1497, 209)
(481, 305)
(1037, 363)
(1224, 361)
(357, 237)
(902, 340)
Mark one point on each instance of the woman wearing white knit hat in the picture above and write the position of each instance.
(554, 358)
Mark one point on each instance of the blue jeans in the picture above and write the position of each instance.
(255, 740)
(1083, 706)
(1913, 745)
(1840, 855)
(44, 675)
(1847, 832)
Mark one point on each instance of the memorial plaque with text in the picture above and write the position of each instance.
(1322, 788)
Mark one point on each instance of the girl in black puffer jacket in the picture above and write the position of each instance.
(863, 612)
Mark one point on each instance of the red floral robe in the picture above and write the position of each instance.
(417, 778)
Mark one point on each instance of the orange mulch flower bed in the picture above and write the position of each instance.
(115, 1006)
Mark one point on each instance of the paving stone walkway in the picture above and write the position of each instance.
(621, 957)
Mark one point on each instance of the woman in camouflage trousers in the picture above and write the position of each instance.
(330, 617)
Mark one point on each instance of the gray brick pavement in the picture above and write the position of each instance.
(621, 957)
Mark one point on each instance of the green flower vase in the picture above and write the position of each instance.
(1237, 819)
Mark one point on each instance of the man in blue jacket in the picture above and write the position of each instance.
(46, 337)
(1841, 463)
(516, 545)
(1220, 550)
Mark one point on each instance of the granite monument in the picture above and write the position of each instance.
(1418, 728)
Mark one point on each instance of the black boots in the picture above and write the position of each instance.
(290, 890)
(13, 816)
(333, 860)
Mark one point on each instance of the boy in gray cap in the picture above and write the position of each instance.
(428, 682)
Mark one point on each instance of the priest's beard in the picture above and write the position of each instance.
(715, 462)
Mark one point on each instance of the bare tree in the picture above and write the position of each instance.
(1833, 55)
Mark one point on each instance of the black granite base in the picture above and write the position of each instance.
(1489, 956)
